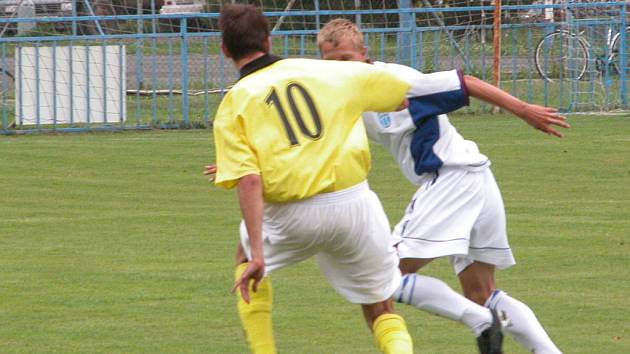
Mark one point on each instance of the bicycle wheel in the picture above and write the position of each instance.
(561, 55)
(615, 55)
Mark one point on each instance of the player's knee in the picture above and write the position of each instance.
(478, 293)
(406, 268)
(412, 265)
(373, 311)
(478, 282)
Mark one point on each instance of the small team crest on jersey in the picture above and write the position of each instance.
(385, 120)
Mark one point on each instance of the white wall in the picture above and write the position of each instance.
(63, 78)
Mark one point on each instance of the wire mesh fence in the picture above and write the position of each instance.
(169, 71)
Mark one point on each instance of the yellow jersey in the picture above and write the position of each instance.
(297, 123)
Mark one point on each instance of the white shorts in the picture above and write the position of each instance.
(459, 214)
(347, 230)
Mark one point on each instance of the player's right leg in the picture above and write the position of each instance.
(478, 284)
(256, 316)
(437, 223)
(489, 250)
(390, 331)
(435, 296)
(477, 281)
(360, 263)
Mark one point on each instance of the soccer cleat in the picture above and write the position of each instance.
(491, 340)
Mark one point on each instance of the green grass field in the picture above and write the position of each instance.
(116, 243)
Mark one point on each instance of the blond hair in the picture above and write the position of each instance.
(339, 29)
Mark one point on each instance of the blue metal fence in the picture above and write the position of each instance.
(176, 79)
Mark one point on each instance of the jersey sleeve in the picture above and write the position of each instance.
(235, 156)
(381, 91)
(436, 93)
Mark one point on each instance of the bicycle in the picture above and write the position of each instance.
(566, 54)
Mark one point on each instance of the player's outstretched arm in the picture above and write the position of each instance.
(539, 117)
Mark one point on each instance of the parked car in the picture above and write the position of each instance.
(182, 7)
(43, 8)
(39, 8)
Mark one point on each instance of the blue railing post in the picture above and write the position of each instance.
(317, 19)
(413, 46)
(154, 84)
(170, 81)
(5, 89)
(54, 83)
(623, 55)
(104, 54)
(468, 67)
(420, 50)
(19, 80)
(74, 17)
(206, 79)
(437, 50)
(71, 80)
(88, 109)
(404, 38)
(383, 39)
(37, 89)
(121, 84)
(184, 51)
(514, 66)
(139, 76)
(154, 29)
(530, 65)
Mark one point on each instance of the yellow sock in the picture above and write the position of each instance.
(256, 316)
(391, 334)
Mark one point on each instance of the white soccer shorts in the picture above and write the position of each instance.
(349, 233)
(459, 214)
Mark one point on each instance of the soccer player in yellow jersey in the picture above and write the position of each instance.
(289, 136)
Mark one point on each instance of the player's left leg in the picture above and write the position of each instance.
(478, 285)
(256, 316)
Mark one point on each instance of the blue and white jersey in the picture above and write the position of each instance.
(421, 138)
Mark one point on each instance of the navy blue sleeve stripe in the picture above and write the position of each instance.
(426, 135)
(423, 107)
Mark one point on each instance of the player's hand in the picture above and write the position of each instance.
(254, 274)
(211, 172)
(543, 118)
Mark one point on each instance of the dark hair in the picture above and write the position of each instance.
(244, 30)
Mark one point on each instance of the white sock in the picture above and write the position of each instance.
(435, 296)
(524, 327)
